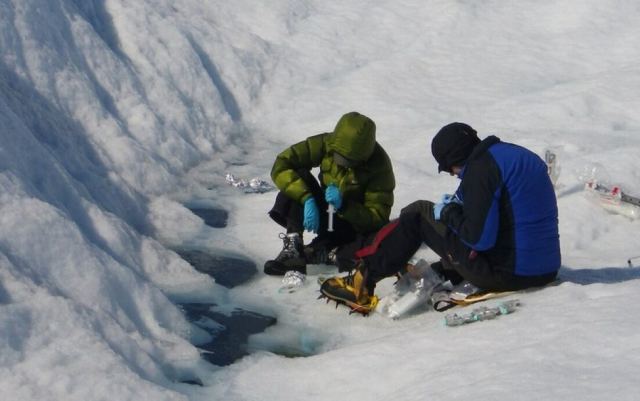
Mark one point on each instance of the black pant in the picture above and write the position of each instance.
(290, 215)
(416, 225)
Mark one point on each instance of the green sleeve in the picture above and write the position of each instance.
(303, 155)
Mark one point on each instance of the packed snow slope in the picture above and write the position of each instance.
(116, 115)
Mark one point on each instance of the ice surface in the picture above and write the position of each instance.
(116, 114)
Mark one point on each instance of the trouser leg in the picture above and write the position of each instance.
(287, 213)
(479, 271)
(290, 214)
(458, 260)
(414, 227)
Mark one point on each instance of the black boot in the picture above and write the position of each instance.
(320, 255)
(290, 258)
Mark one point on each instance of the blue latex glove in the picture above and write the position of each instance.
(311, 215)
(445, 200)
(332, 196)
(437, 209)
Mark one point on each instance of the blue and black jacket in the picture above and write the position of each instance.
(509, 213)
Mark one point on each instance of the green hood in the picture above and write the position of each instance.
(354, 137)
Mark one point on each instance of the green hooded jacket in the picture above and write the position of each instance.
(366, 188)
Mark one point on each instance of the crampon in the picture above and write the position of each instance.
(350, 291)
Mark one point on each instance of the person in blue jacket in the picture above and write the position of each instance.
(499, 230)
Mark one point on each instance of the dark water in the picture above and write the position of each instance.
(227, 271)
(229, 344)
(212, 217)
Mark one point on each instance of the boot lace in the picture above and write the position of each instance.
(289, 249)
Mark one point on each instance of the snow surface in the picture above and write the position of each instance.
(115, 116)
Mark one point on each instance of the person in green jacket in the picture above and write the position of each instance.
(356, 179)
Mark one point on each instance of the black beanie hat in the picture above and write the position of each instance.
(453, 144)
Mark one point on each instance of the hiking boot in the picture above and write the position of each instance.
(351, 290)
(290, 258)
(320, 255)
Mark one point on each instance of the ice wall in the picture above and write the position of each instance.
(105, 104)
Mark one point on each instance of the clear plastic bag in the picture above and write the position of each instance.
(553, 165)
(414, 288)
(600, 188)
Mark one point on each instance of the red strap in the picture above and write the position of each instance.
(382, 234)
